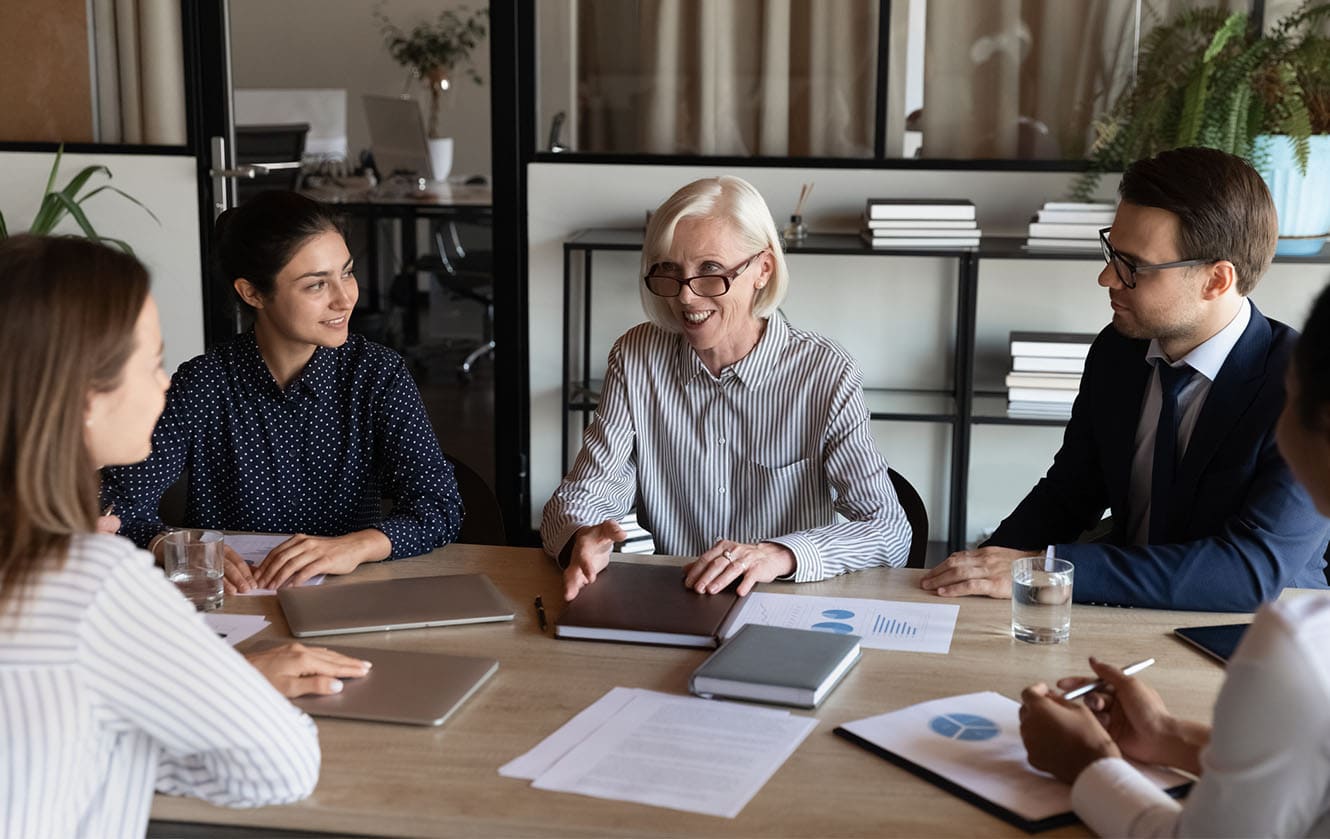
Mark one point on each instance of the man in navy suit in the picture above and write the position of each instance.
(1174, 426)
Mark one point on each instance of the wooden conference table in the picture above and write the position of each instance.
(391, 780)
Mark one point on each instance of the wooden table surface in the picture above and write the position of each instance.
(383, 779)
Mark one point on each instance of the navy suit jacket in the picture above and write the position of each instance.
(1240, 527)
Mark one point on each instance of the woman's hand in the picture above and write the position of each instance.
(1061, 737)
(297, 670)
(238, 577)
(1135, 717)
(588, 555)
(108, 524)
(726, 561)
(302, 557)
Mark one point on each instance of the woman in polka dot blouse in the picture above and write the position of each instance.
(295, 426)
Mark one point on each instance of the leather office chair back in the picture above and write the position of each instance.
(483, 523)
(916, 515)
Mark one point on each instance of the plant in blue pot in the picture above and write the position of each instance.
(1207, 78)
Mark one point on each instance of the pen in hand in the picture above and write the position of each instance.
(540, 613)
(1129, 670)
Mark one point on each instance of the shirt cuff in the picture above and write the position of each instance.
(1111, 797)
(402, 536)
(807, 557)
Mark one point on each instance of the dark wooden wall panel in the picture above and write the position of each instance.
(45, 84)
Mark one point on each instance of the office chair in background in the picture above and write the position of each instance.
(466, 275)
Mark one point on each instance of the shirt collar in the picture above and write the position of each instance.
(316, 378)
(1209, 357)
(752, 369)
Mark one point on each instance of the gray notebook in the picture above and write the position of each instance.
(774, 664)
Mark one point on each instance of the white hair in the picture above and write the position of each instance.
(724, 199)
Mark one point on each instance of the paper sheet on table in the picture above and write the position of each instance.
(548, 752)
(235, 628)
(682, 753)
(882, 624)
(254, 547)
(974, 741)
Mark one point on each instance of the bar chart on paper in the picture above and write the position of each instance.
(882, 624)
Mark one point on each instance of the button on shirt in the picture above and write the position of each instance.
(1207, 360)
(770, 450)
(316, 458)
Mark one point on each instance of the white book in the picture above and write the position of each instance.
(1099, 217)
(919, 208)
(1047, 364)
(1046, 243)
(1051, 344)
(916, 224)
(1081, 206)
(1041, 394)
(965, 242)
(1060, 381)
(1065, 231)
(879, 235)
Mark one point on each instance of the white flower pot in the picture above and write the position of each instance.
(441, 157)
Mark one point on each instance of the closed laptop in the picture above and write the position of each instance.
(408, 603)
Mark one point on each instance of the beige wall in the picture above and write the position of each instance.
(45, 86)
(317, 43)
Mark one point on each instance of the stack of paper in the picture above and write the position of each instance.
(911, 223)
(1046, 372)
(1069, 225)
(666, 751)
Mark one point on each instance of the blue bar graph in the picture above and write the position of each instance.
(893, 628)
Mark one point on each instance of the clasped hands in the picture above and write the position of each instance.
(713, 570)
(1125, 718)
(302, 557)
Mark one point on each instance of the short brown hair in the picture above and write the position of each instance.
(67, 313)
(1222, 203)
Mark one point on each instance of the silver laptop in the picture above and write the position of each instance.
(410, 603)
(403, 687)
(397, 136)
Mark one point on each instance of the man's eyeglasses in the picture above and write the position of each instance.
(1126, 269)
(663, 284)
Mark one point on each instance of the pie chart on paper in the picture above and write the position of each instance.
(964, 727)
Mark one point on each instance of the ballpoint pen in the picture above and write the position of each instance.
(540, 613)
(1129, 670)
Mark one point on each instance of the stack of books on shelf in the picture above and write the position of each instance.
(1045, 373)
(1063, 225)
(912, 223)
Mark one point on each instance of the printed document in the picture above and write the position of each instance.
(234, 628)
(882, 624)
(974, 741)
(254, 548)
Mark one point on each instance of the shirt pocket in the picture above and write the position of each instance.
(783, 498)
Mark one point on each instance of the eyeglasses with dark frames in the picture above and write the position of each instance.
(1127, 270)
(662, 284)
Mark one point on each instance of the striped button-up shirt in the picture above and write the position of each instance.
(111, 686)
(768, 451)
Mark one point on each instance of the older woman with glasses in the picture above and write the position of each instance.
(738, 436)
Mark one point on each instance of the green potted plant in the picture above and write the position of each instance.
(1208, 78)
(433, 51)
(67, 201)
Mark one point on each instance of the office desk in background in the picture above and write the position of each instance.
(390, 780)
(445, 201)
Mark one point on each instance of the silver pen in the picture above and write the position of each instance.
(1129, 670)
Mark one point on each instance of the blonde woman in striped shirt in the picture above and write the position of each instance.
(738, 436)
(111, 685)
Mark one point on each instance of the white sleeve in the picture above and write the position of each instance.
(1113, 799)
(225, 734)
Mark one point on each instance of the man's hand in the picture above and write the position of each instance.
(726, 561)
(297, 670)
(1062, 738)
(302, 557)
(589, 554)
(985, 571)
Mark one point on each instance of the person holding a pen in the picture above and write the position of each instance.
(739, 436)
(1264, 764)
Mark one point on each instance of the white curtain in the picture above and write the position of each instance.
(739, 77)
(140, 71)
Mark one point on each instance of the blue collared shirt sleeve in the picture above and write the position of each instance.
(427, 508)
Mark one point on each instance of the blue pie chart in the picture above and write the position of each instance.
(964, 727)
(838, 614)
(834, 626)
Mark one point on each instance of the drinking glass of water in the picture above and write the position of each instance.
(193, 560)
(1041, 599)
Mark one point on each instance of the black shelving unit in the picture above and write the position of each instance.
(961, 406)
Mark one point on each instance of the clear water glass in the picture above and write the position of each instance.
(1041, 599)
(194, 562)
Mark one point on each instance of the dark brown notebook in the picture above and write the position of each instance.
(645, 604)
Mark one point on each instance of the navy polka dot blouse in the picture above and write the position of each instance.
(317, 458)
